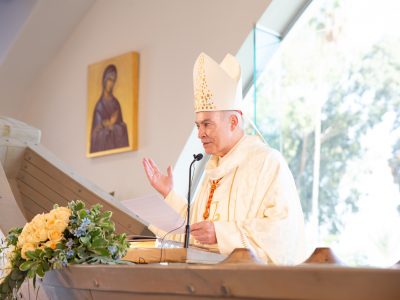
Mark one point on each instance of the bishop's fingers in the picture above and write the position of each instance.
(148, 169)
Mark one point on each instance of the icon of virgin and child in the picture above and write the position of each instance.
(108, 130)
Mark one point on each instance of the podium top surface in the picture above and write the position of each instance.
(17, 131)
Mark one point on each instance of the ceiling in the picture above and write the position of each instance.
(13, 15)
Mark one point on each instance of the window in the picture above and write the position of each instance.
(329, 100)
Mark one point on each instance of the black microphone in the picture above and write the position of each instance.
(196, 157)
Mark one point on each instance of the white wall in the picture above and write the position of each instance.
(168, 35)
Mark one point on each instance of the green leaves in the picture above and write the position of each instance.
(101, 251)
(85, 240)
(26, 265)
(82, 214)
(13, 235)
(35, 268)
(16, 275)
(76, 205)
(5, 288)
(94, 231)
(105, 216)
(40, 269)
(99, 241)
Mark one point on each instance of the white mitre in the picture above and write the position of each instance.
(217, 86)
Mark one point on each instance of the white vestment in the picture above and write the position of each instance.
(255, 205)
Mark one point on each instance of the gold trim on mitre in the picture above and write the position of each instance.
(202, 94)
(217, 86)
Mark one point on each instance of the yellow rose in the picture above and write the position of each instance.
(27, 247)
(54, 235)
(30, 239)
(62, 209)
(26, 234)
(41, 234)
(27, 229)
(39, 221)
(62, 213)
(50, 220)
(58, 225)
(51, 244)
(21, 240)
(36, 236)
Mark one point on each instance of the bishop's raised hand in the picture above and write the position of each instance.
(162, 183)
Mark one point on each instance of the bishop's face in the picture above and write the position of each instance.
(214, 131)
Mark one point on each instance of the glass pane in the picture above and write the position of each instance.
(330, 101)
(265, 44)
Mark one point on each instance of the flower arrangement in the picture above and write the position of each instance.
(65, 235)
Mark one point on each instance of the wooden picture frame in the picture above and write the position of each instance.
(112, 105)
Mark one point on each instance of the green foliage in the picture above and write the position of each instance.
(15, 277)
(92, 234)
(12, 238)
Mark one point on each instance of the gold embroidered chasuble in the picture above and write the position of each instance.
(255, 204)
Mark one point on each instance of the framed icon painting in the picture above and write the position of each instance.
(112, 105)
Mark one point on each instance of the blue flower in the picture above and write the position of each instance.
(70, 253)
(64, 263)
(81, 231)
(112, 249)
(70, 243)
(86, 222)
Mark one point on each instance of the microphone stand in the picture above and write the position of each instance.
(187, 228)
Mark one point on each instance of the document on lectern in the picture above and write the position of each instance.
(156, 212)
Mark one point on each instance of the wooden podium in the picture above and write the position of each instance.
(221, 281)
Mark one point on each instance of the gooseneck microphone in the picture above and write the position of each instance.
(196, 157)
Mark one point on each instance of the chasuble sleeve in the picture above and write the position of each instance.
(275, 227)
(177, 202)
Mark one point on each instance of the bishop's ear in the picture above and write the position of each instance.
(234, 121)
